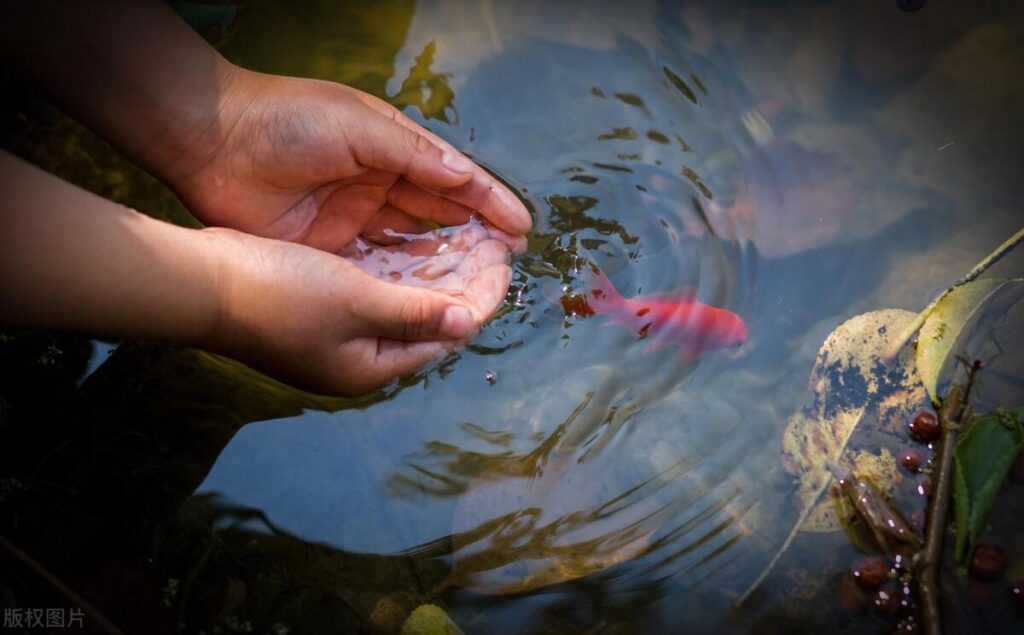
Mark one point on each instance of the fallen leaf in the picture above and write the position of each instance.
(849, 377)
(983, 458)
(950, 318)
(897, 343)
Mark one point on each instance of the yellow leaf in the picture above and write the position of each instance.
(950, 318)
(849, 378)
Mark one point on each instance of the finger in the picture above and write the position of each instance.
(504, 208)
(418, 202)
(487, 289)
(384, 144)
(494, 202)
(483, 256)
(381, 360)
(397, 358)
(341, 209)
(411, 314)
(389, 111)
(516, 244)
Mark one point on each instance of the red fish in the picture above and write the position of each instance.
(666, 319)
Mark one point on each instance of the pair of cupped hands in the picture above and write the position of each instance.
(332, 206)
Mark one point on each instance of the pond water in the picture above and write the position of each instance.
(794, 163)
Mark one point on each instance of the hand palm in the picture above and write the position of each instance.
(320, 163)
(330, 167)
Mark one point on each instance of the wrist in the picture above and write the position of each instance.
(227, 259)
(177, 296)
(247, 277)
(191, 126)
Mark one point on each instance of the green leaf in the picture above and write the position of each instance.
(950, 318)
(983, 457)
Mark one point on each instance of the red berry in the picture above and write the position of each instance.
(911, 460)
(871, 572)
(924, 488)
(924, 427)
(987, 562)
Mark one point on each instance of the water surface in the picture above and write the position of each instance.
(795, 163)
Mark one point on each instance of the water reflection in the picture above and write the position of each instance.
(559, 512)
(795, 165)
(572, 490)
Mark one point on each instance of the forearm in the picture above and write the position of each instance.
(130, 70)
(72, 260)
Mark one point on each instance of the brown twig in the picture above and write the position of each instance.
(954, 411)
(887, 525)
(101, 621)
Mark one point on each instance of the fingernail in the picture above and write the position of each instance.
(456, 162)
(457, 322)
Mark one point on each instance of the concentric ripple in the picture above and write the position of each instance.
(614, 457)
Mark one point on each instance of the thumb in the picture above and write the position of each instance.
(384, 144)
(411, 313)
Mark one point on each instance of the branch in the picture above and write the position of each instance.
(954, 411)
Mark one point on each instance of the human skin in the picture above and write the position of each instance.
(310, 162)
(305, 160)
(73, 260)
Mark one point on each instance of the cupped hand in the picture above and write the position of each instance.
(320, 163)
(346, 325)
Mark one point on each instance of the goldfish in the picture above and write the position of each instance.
(675, 318)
